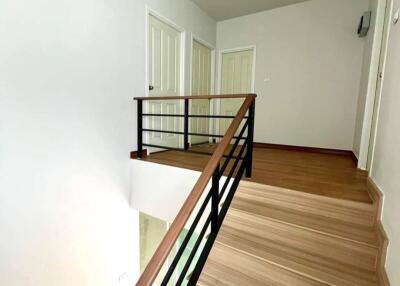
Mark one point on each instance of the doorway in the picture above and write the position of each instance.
(164, 78)
(236, 77)
(201, 85)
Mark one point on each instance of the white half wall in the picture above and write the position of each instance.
(68, 73)
(386, 162)
(160, 190)
(308, 70)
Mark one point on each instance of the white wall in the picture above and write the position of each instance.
(370, 67)
(68, 72)
(313, 57)
(163, 195)
(386, 163)
(153, 196)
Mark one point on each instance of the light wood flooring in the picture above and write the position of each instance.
(330, 175)
(274, 236)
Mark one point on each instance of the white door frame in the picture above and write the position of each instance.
(253, 77)
(150, 12)
(196, 38)
(372, 88)
(379, 86)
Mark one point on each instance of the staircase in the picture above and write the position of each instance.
(246, 233)
(275, 236)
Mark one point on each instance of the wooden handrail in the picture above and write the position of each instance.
(194, 97)
(169, 240)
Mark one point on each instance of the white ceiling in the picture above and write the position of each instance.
(227, 9)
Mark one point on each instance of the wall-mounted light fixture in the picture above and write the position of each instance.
(364, 25)
(396, 17)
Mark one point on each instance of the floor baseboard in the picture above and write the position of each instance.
(307, 149)
(135, 154)
(377, 198)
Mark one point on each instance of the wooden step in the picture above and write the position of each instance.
(324, 258)
(230, 267)
(345, 219)
(343, 210)
(327, 241)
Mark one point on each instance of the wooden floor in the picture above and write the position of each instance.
(302, 219)
(275, 236)
(329, 175)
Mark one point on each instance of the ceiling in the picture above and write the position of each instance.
(226, 9)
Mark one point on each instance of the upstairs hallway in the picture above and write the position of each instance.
(332, 174)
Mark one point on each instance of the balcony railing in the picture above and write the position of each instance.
(236, 147)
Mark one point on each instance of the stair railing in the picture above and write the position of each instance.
(217, 166)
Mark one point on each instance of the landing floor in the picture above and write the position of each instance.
(328, 175)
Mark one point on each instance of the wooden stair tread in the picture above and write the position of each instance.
(230, 267)
(309, 211)
(321, 239)
(360, 213)
(332, 260)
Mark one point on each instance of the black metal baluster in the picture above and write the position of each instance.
(186, 240)
(250, 139)
(186, 125)
(232, 170)
(215, 200)
(140, 127)
(210, 241)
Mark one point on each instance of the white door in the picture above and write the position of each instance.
(164, 80)
(201, 85)
(236, 78)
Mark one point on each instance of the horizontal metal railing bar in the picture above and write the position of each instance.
(214, 116)
(231, 193)
(164, 147)
(232, 151)
(191, 116)
(163, 131)
(187, 151)
(194, 250)
(232, 170)
(186, 240)
(196, 97)
(207, 248)
(202, 260)
(190, 133)
(215, 136)
(209, 154)
(188, 236)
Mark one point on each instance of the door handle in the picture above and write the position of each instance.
(151, 87)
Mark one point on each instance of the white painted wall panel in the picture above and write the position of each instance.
(68, 73)
(310, 58)
(160, 190)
